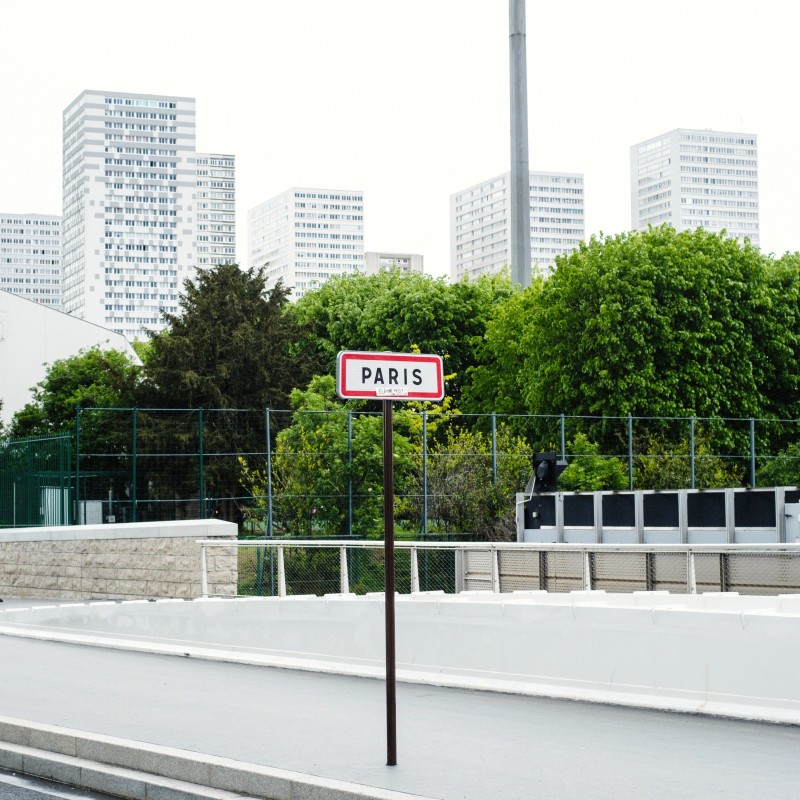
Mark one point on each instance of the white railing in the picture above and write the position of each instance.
(508, 566)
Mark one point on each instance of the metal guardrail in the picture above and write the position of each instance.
(317, 566)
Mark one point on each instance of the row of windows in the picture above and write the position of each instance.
(345, 197)
(145, 151)
(139, 260)
(119, 173)
(710, 137)
(136, 200)
(135, 162)
(137, 126)
(162, 212)
(750, 162)
(140, 115)
(714, 171)
(140, 102)
(16, 221)
(165, 273)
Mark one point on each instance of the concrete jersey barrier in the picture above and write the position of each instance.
(720, 654)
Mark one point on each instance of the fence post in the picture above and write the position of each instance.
(494, 449)
(344, 582)
(281, 573)
(65, 465)
(202, 486)
(691, 453)
(563, 440)
(424, 472)
(752, 453)
(691, 576)
(268, 531)
(349, 473)
(133, 471)
(78, 465)
(630, 452)
(414, 570)
(29, 503)
(203, 572)
(587, 571)
(495, 571)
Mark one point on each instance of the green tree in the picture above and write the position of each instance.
(230, 346)
(588, 471)
(314, 468)
(652, 324)
(230, 349)
(94, 378)
(779, 337)
(783, 469)
(496, 382)
(669, 466)
(400, 312)
(465, 497)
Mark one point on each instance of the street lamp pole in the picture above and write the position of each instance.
(520, 231)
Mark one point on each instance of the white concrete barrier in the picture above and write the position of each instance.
(718, 654)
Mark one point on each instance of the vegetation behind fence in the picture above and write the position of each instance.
(318, 472)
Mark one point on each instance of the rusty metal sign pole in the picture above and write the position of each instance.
(385, 375)
(388, 565)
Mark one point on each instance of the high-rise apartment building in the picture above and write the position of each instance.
(216, 209)
(129, 182)
(306, 236)
(405, 262)
(30, 257)
(697, 178)
(480, 219)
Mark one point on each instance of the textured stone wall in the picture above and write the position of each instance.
(122, 568)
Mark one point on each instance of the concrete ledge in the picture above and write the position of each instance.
(125, 561)
(139, 771)
(193, 529)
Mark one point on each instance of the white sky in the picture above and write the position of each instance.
(409, 100)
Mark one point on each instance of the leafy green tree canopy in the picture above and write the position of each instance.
(318, 462)
(783, 470)
(399, 312)
(588, 471)
(496, 382)
(652, 324)
(229, 347)
(93, 378)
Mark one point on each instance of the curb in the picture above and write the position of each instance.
(139, 771)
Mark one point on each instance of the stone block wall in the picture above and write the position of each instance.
(117, 562)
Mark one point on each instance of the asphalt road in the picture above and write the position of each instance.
(452, 744)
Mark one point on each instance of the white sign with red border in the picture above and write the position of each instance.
(389, 376)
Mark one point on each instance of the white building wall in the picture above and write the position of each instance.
(30, 256)
(374, 262)
(129, 181)
(690, 178)
(33, 336)
(216, 209)
(480, 219)
(305, 236)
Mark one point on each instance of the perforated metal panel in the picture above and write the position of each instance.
(519, 570)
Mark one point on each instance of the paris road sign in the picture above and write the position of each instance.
(389, 376)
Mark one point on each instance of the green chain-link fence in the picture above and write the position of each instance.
(36, 482)
(319, 473)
